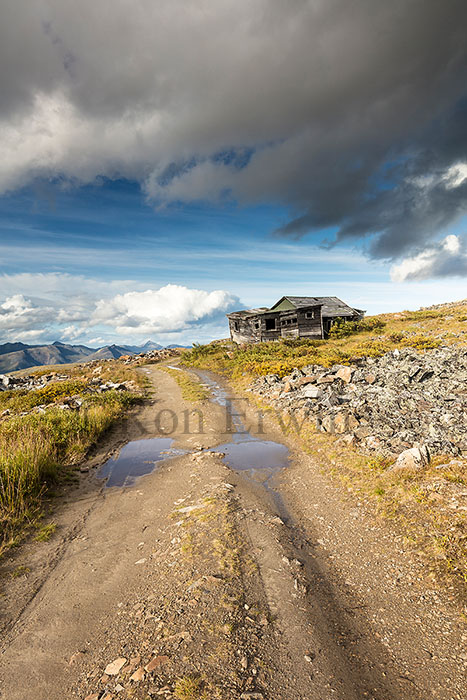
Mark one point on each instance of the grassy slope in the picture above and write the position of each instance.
(422, 330)
(37, 448)
(421, 503)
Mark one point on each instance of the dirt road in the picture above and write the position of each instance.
(199, 580)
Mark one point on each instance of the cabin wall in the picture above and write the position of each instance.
(329, 320)
(310, 326)
(296, 323)
(244, 330)
(302, 323)
(270, 327)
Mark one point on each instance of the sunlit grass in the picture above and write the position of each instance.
(421, 330)
(36, 447)
(191, 388)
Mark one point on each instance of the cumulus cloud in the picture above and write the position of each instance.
(169, 310)
(21, 319)
(447, 259)
(352, 115)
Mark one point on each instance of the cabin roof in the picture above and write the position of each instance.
(331, 306)
(246, 313)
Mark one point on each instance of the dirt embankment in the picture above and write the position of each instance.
(190, 585)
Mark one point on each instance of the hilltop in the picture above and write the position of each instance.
(425, 329)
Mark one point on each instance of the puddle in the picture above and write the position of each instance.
(259, 459)
(246, 452)
(136, 459)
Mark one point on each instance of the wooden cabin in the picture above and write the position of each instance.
(290, 317)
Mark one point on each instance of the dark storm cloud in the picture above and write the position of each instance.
(351, 114)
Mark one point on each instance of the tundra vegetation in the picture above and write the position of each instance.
(371, 337)
(422, 502)
(42, 440)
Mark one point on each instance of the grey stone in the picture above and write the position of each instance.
(312, 392)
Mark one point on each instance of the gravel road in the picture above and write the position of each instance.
(199, 580)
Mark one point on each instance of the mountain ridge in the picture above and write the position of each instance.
(16, 356)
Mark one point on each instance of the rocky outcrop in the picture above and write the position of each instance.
(388, 405)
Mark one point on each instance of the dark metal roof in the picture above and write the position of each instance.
(332, 306)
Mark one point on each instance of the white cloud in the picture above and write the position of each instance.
(20, 315)
(103, 316)
(456, 175)
(447, 259)
(170, 308)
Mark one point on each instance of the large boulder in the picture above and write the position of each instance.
(414, 458)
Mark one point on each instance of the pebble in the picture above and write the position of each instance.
(156, 662)
(75, 658)
(138, 675)
(114, 667)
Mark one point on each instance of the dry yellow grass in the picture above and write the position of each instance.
(36, 447)
(421, 330)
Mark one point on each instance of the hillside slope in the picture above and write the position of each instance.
(34, 356)
(426, 329)
(16, 356)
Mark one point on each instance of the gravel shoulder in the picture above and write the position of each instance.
(193, 581)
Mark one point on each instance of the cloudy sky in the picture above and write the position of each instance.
(164, 162)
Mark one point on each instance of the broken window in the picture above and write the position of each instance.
(236, 325)
(309, 314)
(270, 324)
(257, 325)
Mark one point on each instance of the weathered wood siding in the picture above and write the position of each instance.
(310, 322)
(304, 322)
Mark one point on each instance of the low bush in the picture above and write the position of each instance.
(23, 400)
(342, 328)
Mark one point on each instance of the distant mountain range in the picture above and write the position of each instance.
(14, 356)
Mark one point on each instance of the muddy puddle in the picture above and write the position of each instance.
(136, 459)
(260, 460)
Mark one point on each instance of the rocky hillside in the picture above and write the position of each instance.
(384, 404)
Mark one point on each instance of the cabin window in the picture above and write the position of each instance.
(257, 325)
(235, 325)
(309, 314)
(270, 324)
(293, 320)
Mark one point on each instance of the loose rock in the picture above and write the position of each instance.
(115, 666)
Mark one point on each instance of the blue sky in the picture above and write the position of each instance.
(111, 235)
(161, 168)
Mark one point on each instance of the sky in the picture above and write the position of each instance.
(164, 162)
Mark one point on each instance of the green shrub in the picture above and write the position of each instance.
(342, 328)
